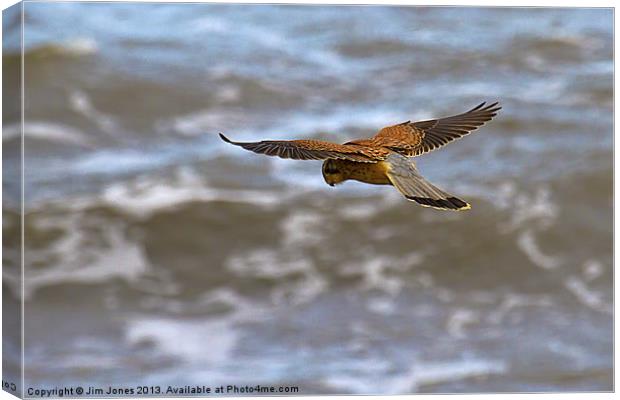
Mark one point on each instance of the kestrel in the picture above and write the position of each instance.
(387, 157)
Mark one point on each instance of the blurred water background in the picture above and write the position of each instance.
(157, 254)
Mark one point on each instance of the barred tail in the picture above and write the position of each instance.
(406, 178)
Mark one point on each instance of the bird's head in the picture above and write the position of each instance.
(332, 174)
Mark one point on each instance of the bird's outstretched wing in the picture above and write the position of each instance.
(313, 150)
(415, 138)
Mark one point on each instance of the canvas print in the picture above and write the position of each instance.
(245, 199)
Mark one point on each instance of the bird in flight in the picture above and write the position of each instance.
(387, 157)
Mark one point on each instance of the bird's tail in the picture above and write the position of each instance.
(406, 178)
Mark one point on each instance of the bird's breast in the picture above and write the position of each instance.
(373, 173)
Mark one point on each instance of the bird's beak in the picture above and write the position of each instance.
(331, 184)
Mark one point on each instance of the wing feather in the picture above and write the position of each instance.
(439, 132)
(311, 150)
(412, 139)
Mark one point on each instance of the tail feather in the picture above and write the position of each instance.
(406, 178)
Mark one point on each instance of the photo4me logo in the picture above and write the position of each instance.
(230, 389)
(233, 389)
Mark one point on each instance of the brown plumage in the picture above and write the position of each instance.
(389, 147)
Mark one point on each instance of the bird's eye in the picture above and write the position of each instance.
(329, 168)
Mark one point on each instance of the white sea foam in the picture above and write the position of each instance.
(325, 58)
(538, 207)
(301, 291)
(502, 195)
(530, 213)
(547, 90)
(72, 260)
(458, 321)
(47, 130)
(182, 338)
(210, 24)
(587, 296)
(381, 305)
(341, 118)
(304, 228)
(527, 243)
(304, 124)
(84, 361)
(379, 272)
(80, 102)
(80, 46)
(592, 269)
(425, 280)
(113, 162)
(215, 119)
(434, 373)
(375, 275)
(577, 355)
(146, 195)
(267, 37)
(359, 211)
(266, 263)
(381, 378)
(300, 230)
(228, 93)
(269, 263)
(512, 301)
